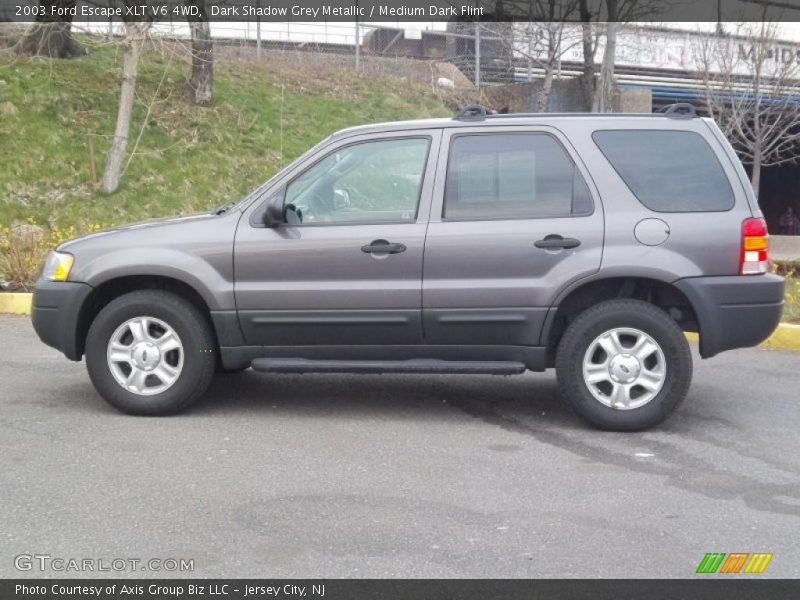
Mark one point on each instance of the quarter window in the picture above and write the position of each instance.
(668, 171)
(512, 176)
(368, 182)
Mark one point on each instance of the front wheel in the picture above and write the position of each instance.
(624, 365)
(150, 352)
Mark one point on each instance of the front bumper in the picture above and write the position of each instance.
(734, 311)
(56, 315)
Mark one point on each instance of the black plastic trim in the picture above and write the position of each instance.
(331, 320)
(226, 326)
(55, 314)
(736, 311)
(533, 358)
(414, 365)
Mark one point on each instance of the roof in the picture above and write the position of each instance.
(470, 118)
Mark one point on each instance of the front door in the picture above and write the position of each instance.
(350, 273)
(512, 223)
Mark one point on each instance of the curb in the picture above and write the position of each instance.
(785, 337)
(15, 303)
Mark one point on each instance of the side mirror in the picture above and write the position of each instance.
(274, 213)
(292, 215)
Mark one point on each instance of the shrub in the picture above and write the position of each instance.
(23, 247)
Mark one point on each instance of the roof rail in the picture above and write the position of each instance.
(473, 112)
(679, 110)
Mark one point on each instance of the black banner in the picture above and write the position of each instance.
(394, 10)
(733, 588)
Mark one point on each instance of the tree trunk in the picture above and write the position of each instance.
(553, 53)
(755, 177)
(587, 78)
(134, 38)
(52, 36)
(199, 88)
(604, 92)
(544, 93)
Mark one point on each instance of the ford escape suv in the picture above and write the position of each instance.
(480, 244)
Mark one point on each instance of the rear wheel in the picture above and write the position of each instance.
(150, 353)
(624, 365)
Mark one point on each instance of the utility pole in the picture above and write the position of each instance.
(477, 56)
(358, 46)
(258, 31)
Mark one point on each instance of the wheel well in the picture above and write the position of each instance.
(659, 293)
(114, 288)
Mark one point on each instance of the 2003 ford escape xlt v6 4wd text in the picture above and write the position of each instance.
(480, 244)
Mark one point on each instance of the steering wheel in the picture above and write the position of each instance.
(320, 204)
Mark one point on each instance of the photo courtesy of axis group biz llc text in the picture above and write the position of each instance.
(425, 299)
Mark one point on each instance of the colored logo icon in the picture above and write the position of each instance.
(734, 562)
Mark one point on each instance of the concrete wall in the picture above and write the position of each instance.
(566, 96)
(784, 247)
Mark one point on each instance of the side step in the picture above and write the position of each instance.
(417, 365)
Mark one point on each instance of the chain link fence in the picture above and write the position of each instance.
(477, 55)
(468, 61)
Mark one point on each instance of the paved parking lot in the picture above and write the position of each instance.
(397, 476)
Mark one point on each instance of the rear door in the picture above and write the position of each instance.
(351, 272)
(515, 218)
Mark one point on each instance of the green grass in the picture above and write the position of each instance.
(791, 308)
(189, 158)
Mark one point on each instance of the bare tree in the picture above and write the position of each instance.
(133, 40)
(547, 39)
(589, 47)
(546, 34)
(604, 89)
(199, 88)
(617, 13)
(751, 87)
(52, 35)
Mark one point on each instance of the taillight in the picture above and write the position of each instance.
(754, 258)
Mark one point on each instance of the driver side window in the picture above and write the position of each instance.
(368, 182)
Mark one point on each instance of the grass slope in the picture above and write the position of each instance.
(189, 158)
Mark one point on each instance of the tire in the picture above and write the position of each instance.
(617, 390)
(168, 378)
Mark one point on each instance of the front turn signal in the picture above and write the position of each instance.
(57, 266)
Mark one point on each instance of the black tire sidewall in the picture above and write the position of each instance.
(624, 313)
(198, 351)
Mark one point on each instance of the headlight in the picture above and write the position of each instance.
(56, 266)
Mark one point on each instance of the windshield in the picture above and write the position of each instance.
(327, 171)
(258, 193)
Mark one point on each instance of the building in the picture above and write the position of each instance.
(676, 63)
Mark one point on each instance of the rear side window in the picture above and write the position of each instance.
(668, 171)
(512, 176)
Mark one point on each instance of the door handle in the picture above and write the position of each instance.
(383, 247)
(556, 242)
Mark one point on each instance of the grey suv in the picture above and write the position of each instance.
(481, 244)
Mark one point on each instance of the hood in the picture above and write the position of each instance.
(150, 224)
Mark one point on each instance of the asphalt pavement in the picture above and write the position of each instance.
(395, 476)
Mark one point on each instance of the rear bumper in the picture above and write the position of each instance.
(56, 314)
(735, 311)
